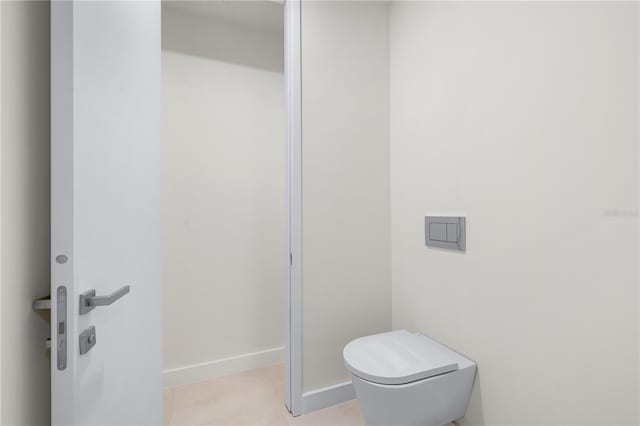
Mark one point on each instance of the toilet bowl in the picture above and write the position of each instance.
(403, 378)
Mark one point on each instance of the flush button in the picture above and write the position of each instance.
(438, 231)
(452, 232)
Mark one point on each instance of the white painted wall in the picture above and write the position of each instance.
(0, 213)
(345, 182)
(224, 224)
(24, 214)
(524, 118)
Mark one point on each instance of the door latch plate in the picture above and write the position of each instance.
(61, 340)
(87, 340)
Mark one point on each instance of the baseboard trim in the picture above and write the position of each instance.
(327, 397)
(221, 367)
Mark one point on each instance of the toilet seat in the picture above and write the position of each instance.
(398, 357)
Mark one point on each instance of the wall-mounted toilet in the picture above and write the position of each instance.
(404, 378)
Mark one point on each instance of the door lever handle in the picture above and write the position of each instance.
(89, 300)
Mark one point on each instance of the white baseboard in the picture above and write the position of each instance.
(327, 397)
(221, 367)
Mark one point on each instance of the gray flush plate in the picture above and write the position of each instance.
(447, 232)
(87, 340)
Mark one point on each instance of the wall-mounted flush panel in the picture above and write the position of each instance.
(447, 232)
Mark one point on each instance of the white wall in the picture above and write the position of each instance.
(0, 214)
(524, 118)
(224, 275)
(24, 227)
(345, 182)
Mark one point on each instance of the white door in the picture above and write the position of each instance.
(105, 212)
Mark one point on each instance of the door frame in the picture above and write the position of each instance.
(293, 91)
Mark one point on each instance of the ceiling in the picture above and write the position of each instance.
(265, 15)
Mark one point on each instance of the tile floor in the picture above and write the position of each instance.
(253, 398)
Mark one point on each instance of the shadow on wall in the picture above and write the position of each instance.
(475, 412)
(25, 211)
(210, 37)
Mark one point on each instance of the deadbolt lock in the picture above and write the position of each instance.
(87, 340)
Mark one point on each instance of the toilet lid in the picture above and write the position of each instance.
(397, 357)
